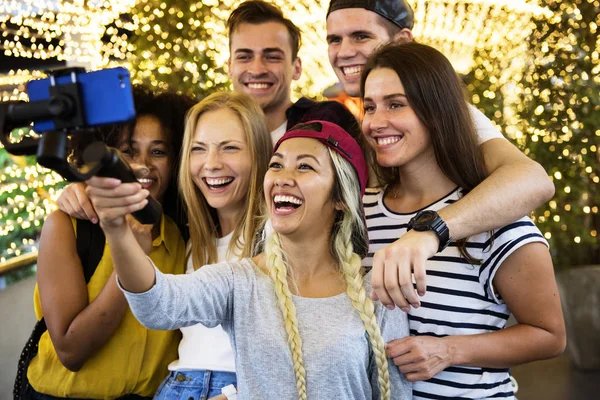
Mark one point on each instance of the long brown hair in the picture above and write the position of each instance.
(203, 219)
(436, 94)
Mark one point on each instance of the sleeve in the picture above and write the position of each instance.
(483, 126)
(502, 244)
(176, 301)
(393, 325)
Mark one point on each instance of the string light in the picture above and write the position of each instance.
(91, 34)
(509, 51)
(551, 108)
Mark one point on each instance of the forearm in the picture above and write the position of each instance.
(135, 272)
(92, 327)
(509, 193)
(518, 344)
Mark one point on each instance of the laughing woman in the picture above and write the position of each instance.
(297, 315)
(418, 122)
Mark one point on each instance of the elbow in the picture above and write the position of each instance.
(560, 345)
(70, 360)
(557, 345)
(545, 186)
(547, 189)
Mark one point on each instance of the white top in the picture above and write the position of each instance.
(484, 127)
(460, 298)
(202, 347)
(279, 132)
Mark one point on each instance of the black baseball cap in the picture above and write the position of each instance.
(398, 12)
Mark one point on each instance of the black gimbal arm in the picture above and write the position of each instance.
(65, 107)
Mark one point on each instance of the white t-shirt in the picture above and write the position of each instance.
(202, 347)
(484, 127)
(279, 132)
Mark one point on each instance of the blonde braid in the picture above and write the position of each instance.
(278, 271)
(351, 269)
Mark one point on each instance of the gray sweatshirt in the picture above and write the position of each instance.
(241, 298)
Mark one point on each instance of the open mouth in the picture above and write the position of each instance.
(146, 182)
(352, 71)
(258, 85)
(217, 183)
(388, 140)
(286, 203)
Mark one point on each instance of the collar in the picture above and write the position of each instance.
(166, 228)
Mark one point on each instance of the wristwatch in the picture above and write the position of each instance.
(230, 392)
(430, 221)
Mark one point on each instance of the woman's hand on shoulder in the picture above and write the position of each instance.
(74, 201)
(113, 200)
(394, 265)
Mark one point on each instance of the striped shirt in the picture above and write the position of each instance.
(460, 298)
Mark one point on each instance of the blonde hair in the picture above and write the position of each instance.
(349, 232)
(203, 219)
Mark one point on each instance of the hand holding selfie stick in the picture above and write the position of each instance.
(65, 107)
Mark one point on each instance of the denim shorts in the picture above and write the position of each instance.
(196, 385)
(31, 394)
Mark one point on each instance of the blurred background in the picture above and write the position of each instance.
(533, 67)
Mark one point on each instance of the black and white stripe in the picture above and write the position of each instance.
(460, 298)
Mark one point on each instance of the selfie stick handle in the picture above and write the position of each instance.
(114, 166)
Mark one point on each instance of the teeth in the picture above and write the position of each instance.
(145, 180)
(258, 85)
(349, 71)
(218, 181)
(383, 141)
(287, 199)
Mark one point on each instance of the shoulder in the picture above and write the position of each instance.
(393, 323)
(372, 194)
(58, 224)
(519, 232)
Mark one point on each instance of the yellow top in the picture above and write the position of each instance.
(135, 359)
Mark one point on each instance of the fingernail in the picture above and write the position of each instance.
(405, 309)
(416, 305)
(94, 220)
(390, 307)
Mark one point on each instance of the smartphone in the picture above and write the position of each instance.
(106, 93)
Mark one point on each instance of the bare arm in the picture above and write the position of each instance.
(77, 328)
(113, 201)
(516, 186)
(526, 283)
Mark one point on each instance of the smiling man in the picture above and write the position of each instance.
(263, 63)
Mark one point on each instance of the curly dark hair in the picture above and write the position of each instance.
(170, 109)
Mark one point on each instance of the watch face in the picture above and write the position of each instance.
(426, 217)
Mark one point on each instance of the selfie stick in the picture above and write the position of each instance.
(65, 107)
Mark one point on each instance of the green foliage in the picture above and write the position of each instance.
(174, 49)
(25, 190)
(558, 121)
(560, 113)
